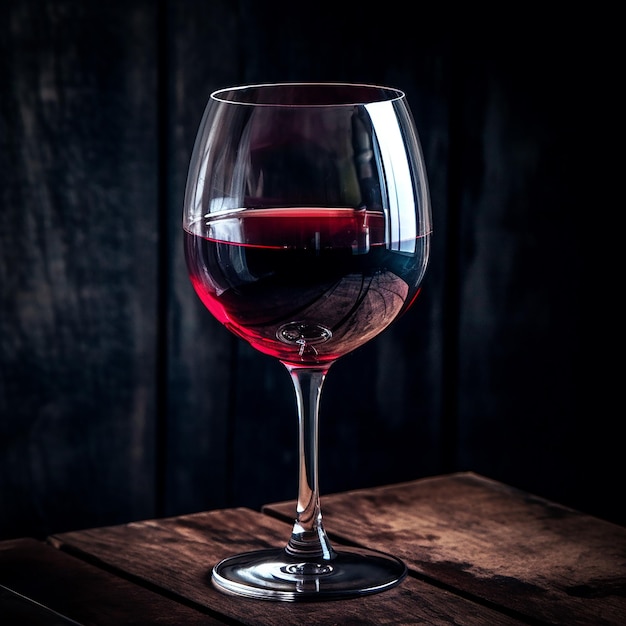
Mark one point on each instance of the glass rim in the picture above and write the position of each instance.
(378, 93)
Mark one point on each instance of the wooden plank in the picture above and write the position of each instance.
(17, 609)
(78, 264)
(493, 542)
(199, 49)
(519, 223)
(78, 591)
(177, 554)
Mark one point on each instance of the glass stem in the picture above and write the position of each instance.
(308, 538)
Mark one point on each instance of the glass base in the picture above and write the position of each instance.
(274, 575)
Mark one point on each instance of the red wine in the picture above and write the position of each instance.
(305, 285)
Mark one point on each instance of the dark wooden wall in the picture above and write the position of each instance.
(122, 399)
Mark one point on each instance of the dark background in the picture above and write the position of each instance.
(121, 398)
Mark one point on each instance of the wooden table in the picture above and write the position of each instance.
(479, 552)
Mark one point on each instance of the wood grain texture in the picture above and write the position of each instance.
(198, 48)
(496, 543)
(18, 609)
(479, 552)
(78, 270)
(520, 268)
(45, 575)
(177, 554)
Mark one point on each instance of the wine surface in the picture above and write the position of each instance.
(305, 285)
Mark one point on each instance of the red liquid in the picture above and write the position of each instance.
(304, 285)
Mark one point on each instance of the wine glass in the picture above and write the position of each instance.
(307, 232)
